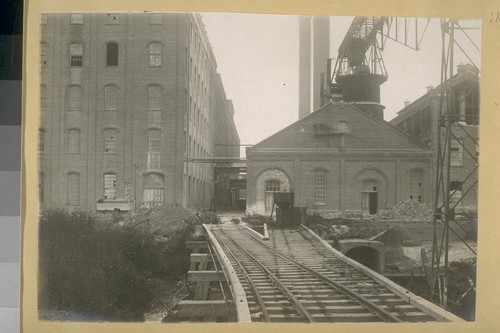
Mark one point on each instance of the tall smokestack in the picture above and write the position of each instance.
(314, 47)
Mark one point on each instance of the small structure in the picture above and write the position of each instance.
(367, 252)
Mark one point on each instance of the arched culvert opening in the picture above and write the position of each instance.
(366, 256)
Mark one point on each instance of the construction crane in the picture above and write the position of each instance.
(361, 52)
(356, 78)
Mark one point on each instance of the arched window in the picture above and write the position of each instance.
(73, 189)
(112, 54)
(154, 137)
(154, 94)
(155, 54)
(110, 139)
(110, 97)
(109, 186)
(74, 141)
(76, 55)
(74, 98)
(153, 189)
(416, 179)
(319, 187)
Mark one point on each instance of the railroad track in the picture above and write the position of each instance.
(294, 278)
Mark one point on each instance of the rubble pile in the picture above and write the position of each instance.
(409, 210)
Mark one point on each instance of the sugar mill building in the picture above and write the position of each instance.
(126, 101)
(420, 120)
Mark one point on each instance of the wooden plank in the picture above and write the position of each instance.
(201, 290)
(189, 308)
(206, 276)
(200, 257)
(198, 261)
(196, 244)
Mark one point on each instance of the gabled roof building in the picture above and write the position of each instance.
(339, 158)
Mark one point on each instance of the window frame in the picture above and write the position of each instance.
(456, 152)
(155, 55)
(111, 99)
(74, 101)
(320, 187)
(76, 55)
(110, 141)
(114, 60)
(112, 18)
(77, 193)
(155, 19)
(155, 102)
(418, 176)
(153, 191)
(110, 181)
(74, 134)
(76, 18)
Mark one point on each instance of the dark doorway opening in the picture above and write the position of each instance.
(366, 256)
(373, 203)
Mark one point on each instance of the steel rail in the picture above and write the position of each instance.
(258, 296)
(285, 290)
(381, 313)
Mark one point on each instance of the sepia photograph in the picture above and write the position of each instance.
(240, 167)
(223, 167)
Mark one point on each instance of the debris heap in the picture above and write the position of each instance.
(409, 210)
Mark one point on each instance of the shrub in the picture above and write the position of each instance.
(206, 218)
(313, 219)
(106, 269)
(256, 219)
(462, 298)
(81, 267)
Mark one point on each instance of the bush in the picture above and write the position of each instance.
(313, 219)
(82, 268)
(106, 269)
(458, 285)
(206, 218)
(256, 220)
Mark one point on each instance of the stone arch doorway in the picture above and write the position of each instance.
(268, 182)
(366, 256)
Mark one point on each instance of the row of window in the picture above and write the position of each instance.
(320, 186)
(154, 18)
(112, 54)
(110, 144)
(111, 97)
(153, 188)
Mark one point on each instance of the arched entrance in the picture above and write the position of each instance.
(366, 256)
(269, 181)
(368, 253)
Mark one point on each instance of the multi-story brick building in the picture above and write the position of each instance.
(421, 120)
(126, 100)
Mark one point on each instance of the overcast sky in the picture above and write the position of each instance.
(257, 57)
